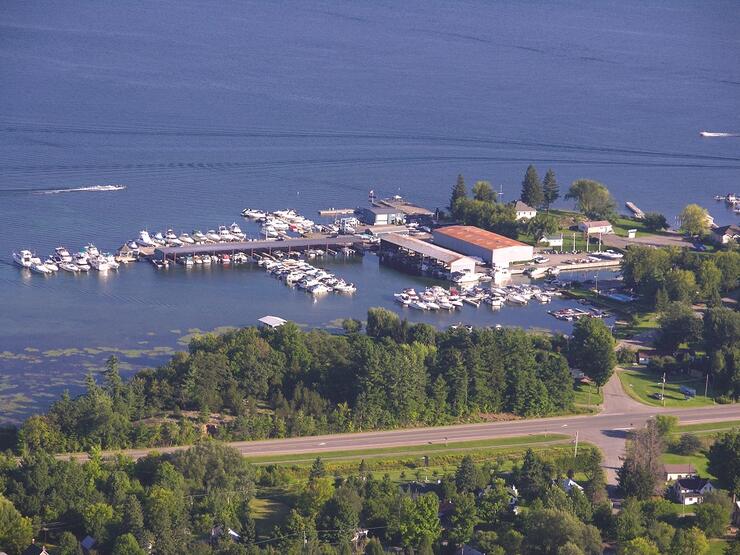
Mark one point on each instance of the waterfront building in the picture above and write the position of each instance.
(594, 227)
(523, 211)
(492, 248)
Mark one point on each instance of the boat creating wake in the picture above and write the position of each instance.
(716, 134)
(90, 189)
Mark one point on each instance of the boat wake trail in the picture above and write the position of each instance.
(90, 189)
(717, 134)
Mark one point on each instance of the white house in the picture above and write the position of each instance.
(594, 227)
(524, 211)
(726, 234)
(673, 472)
(569, 484)
(690, 491)
(553, 241)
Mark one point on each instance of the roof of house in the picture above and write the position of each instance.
(731, 229)
(679, 468)
(523, 207)
(596, 223)
(272, 321)
(692, 484)
(478, 236)
(424, 248)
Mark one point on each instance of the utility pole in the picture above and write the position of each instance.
(574, 241)
(599, 241)
(662, 391)
(575, 450)
(596, 276)
(706, 385)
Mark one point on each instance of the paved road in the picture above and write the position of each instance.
(607, 429)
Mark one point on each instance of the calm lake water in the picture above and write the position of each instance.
(203, 109)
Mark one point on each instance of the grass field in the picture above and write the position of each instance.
(521, 442)
(588, 396)
(699, 461)
(709, 428)
(641, 383)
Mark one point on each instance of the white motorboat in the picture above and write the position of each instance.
(186, 261)
(91, 250)
(224, 235)
(198, 236)
(113, 264)
(99, 263)
(254, 214)
(418, 305)
(145, 239)
(49, 263)
(236, 231)
(63, 254)
(171, 239)
(23, 258)
(185, 238)
(158, 238)
(211, 235)
(38, 267)
(319, 289)
(70, 267)
(206, 260)
(82, 262)
(495, 302)
(517, 299)
(342, 287)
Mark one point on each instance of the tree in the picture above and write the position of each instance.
(483, 191)
(463, 519)
(628, 523)
(655, 221)
(126, 544)
(680, 285)
(694, 220)
(467, 477)
(592, 349)
(318, 470)
(542, 224)
(712, 519)
(678, 324)
(639, 546)
(374, 547)
(724, 460)
(641, 472)
(419, 519)
(533, 478)
(728, 263)
(661, 534)
(68, 545)
(547, 530)
(15, 530)
(382, 322)
(710, 282)
(550, 189)
(689, 542)
(688, 444)
(532, 188)
(592, 198)
(458, 192)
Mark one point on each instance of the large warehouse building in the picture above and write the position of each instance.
(420, 256)
(494, 249)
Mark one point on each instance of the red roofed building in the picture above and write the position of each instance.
(493, 248)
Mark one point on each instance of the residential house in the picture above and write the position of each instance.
(523, 211)
(568, 484)
(690, 491)
(736, 514)
(594, 227)
(467, 550)
(553, 241)
(35, 549)
(726, 234)
(673, 472)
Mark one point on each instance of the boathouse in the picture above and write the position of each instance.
(493, 248)
(412, 254)
(381, 215)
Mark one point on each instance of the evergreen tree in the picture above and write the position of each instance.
(483, 191)
(550, 189)
(458, 192)
(532, 188)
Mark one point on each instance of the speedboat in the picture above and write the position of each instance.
(39, 267)
(186, 261)
(145, 239)
(63, 254)
(113, 264)
(70, 267)
(23, 258)
(225, 259)
(211, 235)
(185, 238)
(516, 299)
(236, 231)
(252, 213)
(206, 260)
(224, 235)
(159, 238)
(49, 263)
(198, 236)
(171, 239)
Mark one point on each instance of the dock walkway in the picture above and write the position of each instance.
(252, 247)
(639, 214)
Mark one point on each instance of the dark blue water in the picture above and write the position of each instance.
(203, 109)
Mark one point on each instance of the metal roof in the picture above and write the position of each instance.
(424, 248)
(478, 236)
(246, 246)
(272, 321)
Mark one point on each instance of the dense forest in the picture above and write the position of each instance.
(268, 383)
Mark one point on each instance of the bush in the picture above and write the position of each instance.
(626, 355)
(688, 444)
(723, 400)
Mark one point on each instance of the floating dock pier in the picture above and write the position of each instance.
(639, 214)
(333, 212)
(261, 246)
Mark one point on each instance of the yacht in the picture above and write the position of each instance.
(38, 267)
(185, 238)
(171, 239)
(82, 262)
(113, 264)
(211, 235)
(23, 258)
(254, 214)
(198, 236)
(63, 254)
(100, 263)
(236, 231)
(49, 263)
(70, 267)
(91, 250)
(224, 235)
(159, 238)
(145, 239)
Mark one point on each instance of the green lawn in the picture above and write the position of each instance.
(438, 448)
(717, 547)
(699, 461)
(588, 395)
(709, 428)
(267, 513)
(641, 383)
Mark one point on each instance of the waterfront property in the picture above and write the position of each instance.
(412, 212)
(492, 248)
(594, 227)
(419, 256)
(726, 234)
(524, 212)
(381, 215)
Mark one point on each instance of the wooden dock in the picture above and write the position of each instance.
(639, 214)
(261, 246)
(333, 212)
